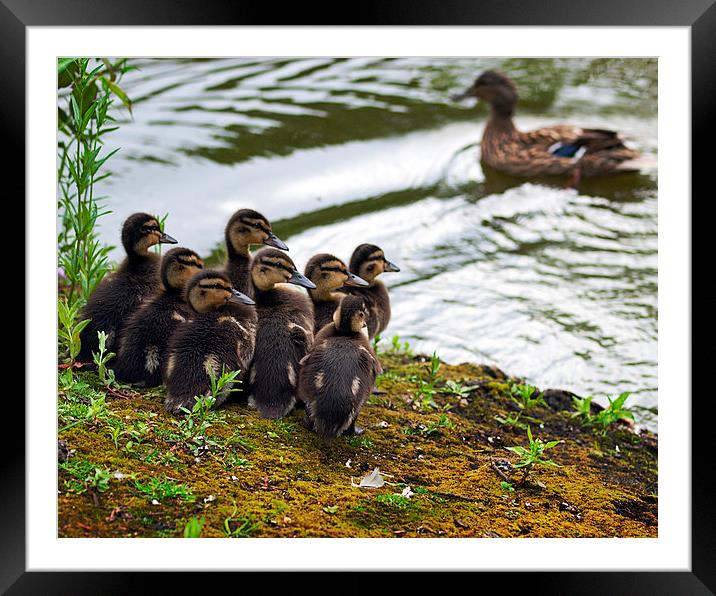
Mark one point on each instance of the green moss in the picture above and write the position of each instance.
(255, 477)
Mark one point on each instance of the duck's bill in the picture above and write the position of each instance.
(239, 298)
(301, 280)
(167, 239)
(462, 96)
(354, 280)
(390, 266)
(276, 242)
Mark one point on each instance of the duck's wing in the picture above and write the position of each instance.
(549, 135)
(560, 138)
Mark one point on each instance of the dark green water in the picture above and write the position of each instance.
(558, 285)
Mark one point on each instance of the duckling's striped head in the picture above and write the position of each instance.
(141, 231)
(368, 262)
(211, 290)
(351, 316)
(247, 227)
(329, 273)
(178, 265)
(270, 267)
(495, 88)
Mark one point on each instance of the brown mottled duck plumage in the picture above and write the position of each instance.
(531, 154)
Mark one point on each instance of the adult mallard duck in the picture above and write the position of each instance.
(560, 150)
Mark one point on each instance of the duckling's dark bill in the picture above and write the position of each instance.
(354, 280)
(239, 298)
(276, 242)
(301, 280)
(390, 266)
(167, 239)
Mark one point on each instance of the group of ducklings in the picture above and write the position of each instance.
(171, 321)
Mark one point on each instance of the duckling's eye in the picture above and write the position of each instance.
(324, 275)
(371, 267)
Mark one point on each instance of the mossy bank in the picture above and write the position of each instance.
(129, 469)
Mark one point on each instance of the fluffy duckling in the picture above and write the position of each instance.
(246, 227)
(338, 375)
(329, 274)
(368, 262)
(120, 293)
(216, 337)
(143, 343)
(285, 332)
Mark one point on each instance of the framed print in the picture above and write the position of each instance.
(408, 294)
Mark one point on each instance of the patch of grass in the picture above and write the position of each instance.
(284, 426)
(84, 475)
(396, 501)
(232, 460)
(357, 441)
(383, 402)
(161, 488)
(432, 428)
(81, 403)
(240, 527)
(236, 440)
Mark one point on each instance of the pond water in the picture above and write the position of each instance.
(550, 283)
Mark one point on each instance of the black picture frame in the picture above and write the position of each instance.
(699, 15)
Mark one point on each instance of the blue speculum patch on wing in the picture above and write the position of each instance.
(567, 150)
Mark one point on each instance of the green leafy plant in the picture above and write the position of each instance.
(433, 368)
(101, 358)
(69, 328)
(162, 223)
(583, 408)
(507, 486)
(193, 427)
(194, 527)
(426, 391)
(614, 412)
(534, 456)
(87, 90)
(84, 475)
(455, 388)
(525, 397)
(398, 347)
(376, 344)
